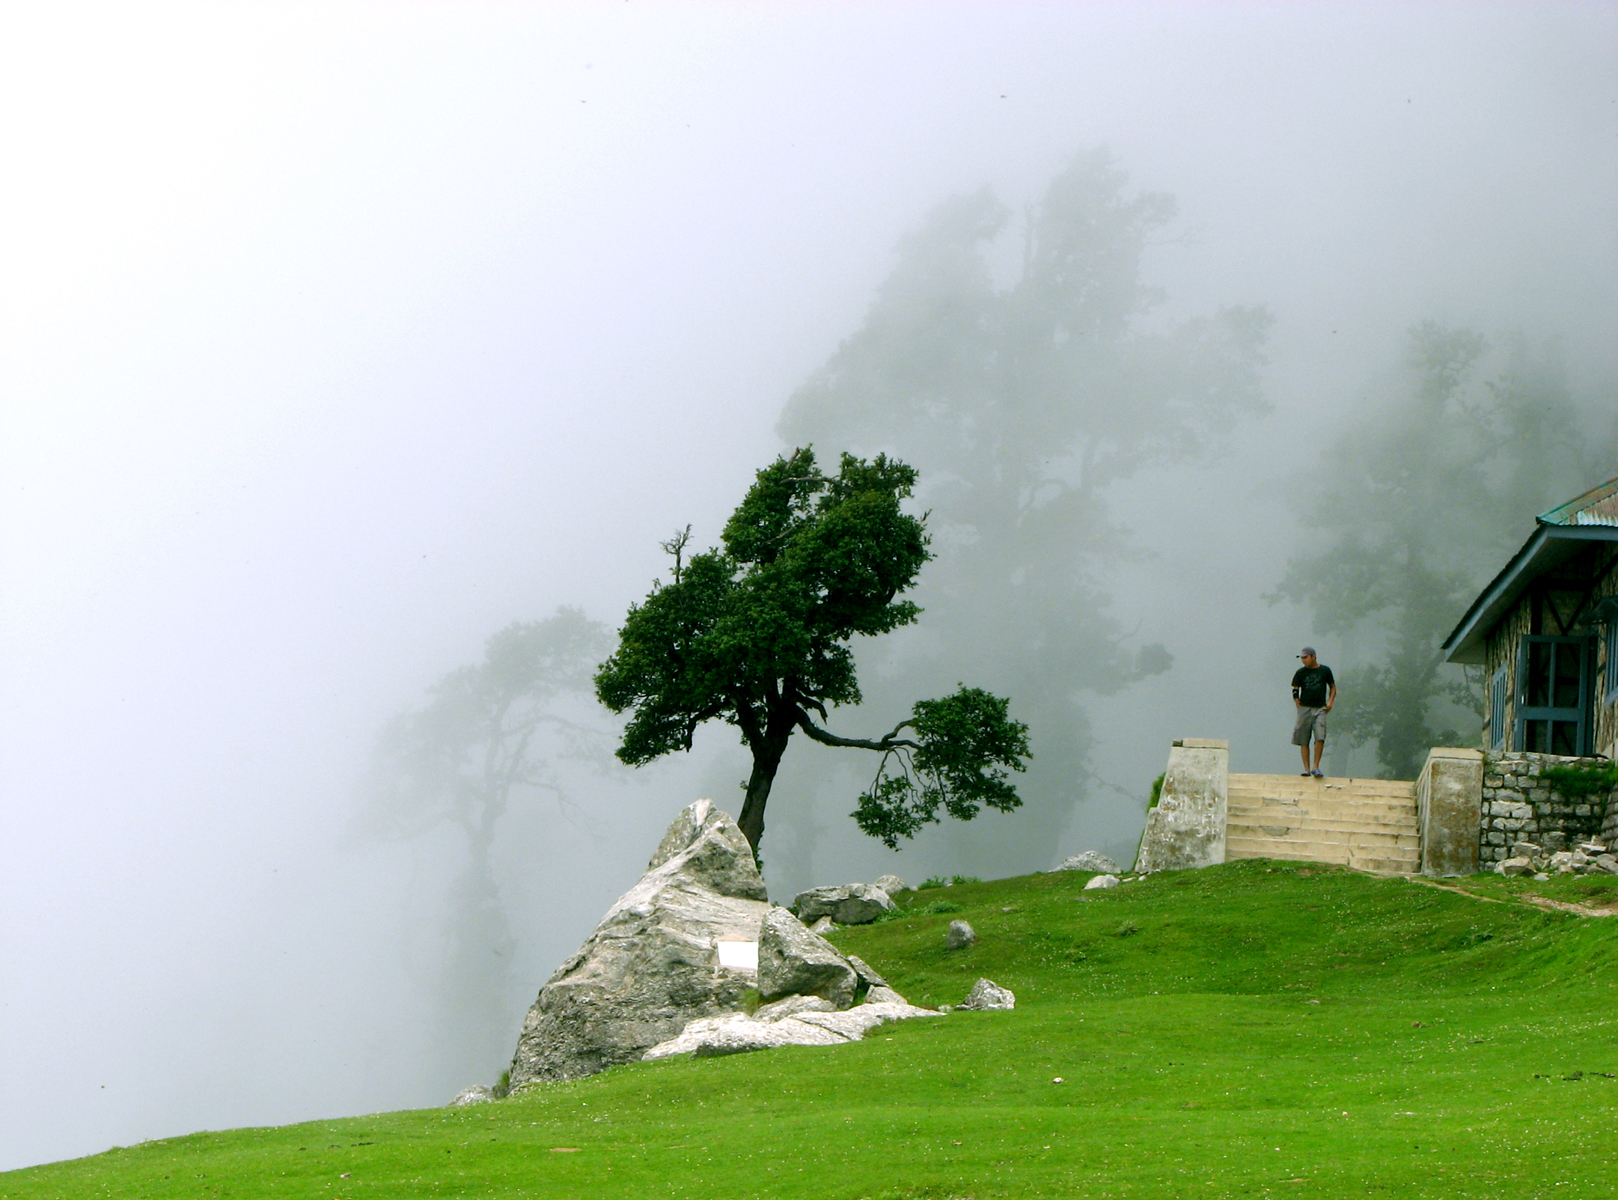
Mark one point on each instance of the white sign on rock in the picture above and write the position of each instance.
(738, 956)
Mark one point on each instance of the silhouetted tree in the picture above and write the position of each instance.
(488, 731)
(757, 635)
(1021, 405)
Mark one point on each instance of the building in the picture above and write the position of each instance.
(1546, 633)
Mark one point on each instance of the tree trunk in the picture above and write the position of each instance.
(766, 760)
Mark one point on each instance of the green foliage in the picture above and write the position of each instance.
(965, 745)
(1260, 1027)
(938, 906)
(1022, 405)
(932, 881)
(954, 879)
(757, 634)
(1411, 510)
(1157, 791)
(1584, 781)
(502, 1086)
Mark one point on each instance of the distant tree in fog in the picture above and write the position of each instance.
(1021, 404)
(487, 730)
(1414, 507)
(757, 635)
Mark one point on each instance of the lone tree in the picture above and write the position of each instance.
(757, 634)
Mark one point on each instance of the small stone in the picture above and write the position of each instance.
(882, 994)
(1541, 877)
(1090, 860)
(988, 995)
(791, 1006)
(1515, 866)
(1102, 881)
(823, 926)
(960, 936)
(1525, 850)
(1607, 863)
(476, 1094)
(891, 884)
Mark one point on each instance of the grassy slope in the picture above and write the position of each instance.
(1242, 1030)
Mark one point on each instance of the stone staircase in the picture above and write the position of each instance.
(1367, 824)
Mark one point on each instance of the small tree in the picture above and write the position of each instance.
(757, 634)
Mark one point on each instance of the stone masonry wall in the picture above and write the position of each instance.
(1520, 807)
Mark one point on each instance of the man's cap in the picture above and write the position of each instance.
(1307, 652)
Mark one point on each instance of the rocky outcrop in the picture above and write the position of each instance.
(849, 904)
(652, 965)
(794, 962)
(1090, 860)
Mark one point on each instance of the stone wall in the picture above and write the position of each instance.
(1520, 807)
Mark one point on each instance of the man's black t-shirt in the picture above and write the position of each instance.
(1311, 684)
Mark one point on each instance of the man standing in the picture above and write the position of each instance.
(1314, 691)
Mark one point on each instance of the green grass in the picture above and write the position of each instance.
(1246, 1030)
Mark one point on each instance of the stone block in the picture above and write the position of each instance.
(1187, 826)
(1449, 802)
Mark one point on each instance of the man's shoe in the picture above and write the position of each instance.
(1306, 775)
(1317, 774)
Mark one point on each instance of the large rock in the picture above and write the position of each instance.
(850, 904)
(960, 936)
(1090, 860)
(891, 884)
(793, 961)
(652, 965)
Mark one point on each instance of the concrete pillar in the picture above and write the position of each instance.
(1187, 828)
(1449, 810)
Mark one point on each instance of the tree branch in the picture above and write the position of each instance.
(889, 741)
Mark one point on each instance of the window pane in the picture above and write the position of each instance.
(1538, 689)
(1533, 733)
(1568, 660)
(1564, 737)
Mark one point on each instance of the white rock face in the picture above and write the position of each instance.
(1090, 860)
(652, 965)
(1102, 881)
(738, 1033)
(849, 904)
(987, 994)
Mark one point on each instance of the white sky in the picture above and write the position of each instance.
(334, 337)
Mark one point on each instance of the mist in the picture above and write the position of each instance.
(335, 339)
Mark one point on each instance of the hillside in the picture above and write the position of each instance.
(1245, 1030)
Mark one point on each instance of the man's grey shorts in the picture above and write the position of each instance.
(1311, 722)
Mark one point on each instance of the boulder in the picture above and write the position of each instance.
(960, 936)
(1514, 866)
(850, 904)
(1101, 881)
(986, 995)
(1605, 862)
(793, 961)
(476, 1094)
(883, 994)
(866, 972)
(1090, 860)
(891, 884)
(1527, 850)
(652, 964)
(823, 926)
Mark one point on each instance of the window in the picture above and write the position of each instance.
(1497, 710)
(1612, 660)
(1554, 683)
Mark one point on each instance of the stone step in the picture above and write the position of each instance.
(1345, 856)
(1257, 846)
(1298, 784)
(1332, 836)
(1277, 796)
(1335, 813)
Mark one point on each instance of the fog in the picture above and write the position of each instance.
(334, 339)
